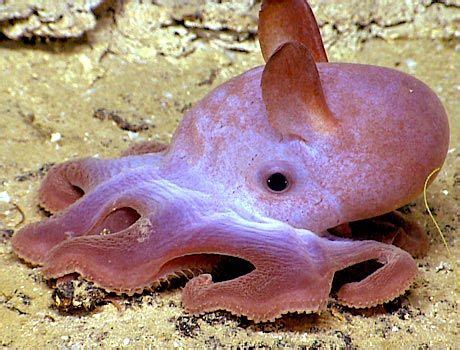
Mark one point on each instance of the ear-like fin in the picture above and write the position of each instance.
(281, 21)
(293, 95)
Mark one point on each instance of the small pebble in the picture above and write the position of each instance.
(55, 137)
(126, 341)
(5, 197)
(85, 62)
(411, 64)
(133, 135)
(443, 266)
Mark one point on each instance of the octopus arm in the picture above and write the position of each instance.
(67, 182)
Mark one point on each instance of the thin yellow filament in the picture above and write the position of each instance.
(431, 214)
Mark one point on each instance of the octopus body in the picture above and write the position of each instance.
(295, 168)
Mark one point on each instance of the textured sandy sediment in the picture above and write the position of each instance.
(145, 64)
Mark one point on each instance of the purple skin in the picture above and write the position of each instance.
(354, 143)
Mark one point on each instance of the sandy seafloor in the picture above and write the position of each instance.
(147, 64)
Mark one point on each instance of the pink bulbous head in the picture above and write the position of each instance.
(312, 143)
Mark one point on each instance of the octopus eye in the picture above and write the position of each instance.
(277, 182)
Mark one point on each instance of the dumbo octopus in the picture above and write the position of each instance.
(291, 170)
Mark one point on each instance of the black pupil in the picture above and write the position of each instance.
(277, 182)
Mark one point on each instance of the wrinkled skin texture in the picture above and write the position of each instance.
(354, 142)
